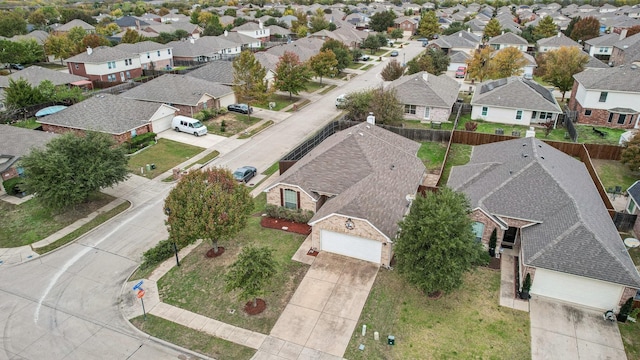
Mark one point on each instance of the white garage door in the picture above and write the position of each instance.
(576, 289)
(162, 123)
(353, 246)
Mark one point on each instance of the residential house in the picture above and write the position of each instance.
(34, 75)
(408, 24)
(256, 31)
(426, 97)
(90, 29)
(458, 59)
(607, 97)
(601, 47)
(245, 41)
(194, 31)
(356, 211)
(130, 22)
(514, 101)
(204, 49)
(556, 42)
(188, 94)
(508, 40)
(152, 55)
(120, 117)
(544, 204)
(633, 204)
(16, 142)
(626, 51)
(459, 41)
(217, 72)
(105, 64)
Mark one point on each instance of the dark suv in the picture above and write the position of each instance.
(241, 108)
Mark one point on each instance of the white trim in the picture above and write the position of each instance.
(499, 222)
(351, 217)
(295, 186)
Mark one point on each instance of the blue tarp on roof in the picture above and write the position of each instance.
(50, 110)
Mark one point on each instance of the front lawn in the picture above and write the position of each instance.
(281, 101)
(166, 154)
(465, 324)
(629, 332)
(230, 124)
(613, 173)
(198, 284)
(313, 86)
(30, 222)
(432, 154)
(30, 123)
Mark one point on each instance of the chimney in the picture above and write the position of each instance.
(623, 34)
(138, 24)
(559, 34)
(191, 40)
(260, 24)
(460, 34)
(502, 32)
(226, 33)
(89, 50)
(425, 76)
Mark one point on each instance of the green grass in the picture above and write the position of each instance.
(30, 123)
(198, 284)
(587, 135)
(355, 66)
(197, 341)
(282, 101)
(367, 67)
(30, 222)
(234, 123)
(52, 65)
(252, 132)
(432, 154)
(327, 89)
(299, 105)
(629, 332)
(459, 155)
(214, 154)
(635, 255)
(272, 169)
(166, 154)
(313, 86)
(466, 324)
(93, 223)
(539, 80)
(613, 173)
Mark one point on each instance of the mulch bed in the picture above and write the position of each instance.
(290, 226)
(212, 254)
(261, 305)
(494, 263)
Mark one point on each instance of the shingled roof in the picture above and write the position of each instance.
(368, 171)
(215, 71)
(177, 89)
(515, 93)
(34, 75)
(16, 142)
(530, 180)
(621, 78)
(99, 55)
(426, 89)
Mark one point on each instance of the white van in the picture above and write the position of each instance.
(340, 100)
(188, 125)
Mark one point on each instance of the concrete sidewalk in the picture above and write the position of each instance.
(508, 296)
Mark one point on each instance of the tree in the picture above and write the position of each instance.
(318, 22)
(11, 23)
(38, 19)
(479, 66)
(429, 25)
(383, 103)
(8, 51)
(230, 12)
(249, 81)
(75, 35)
(20, 94)
(108, 29)
(493, 28)
(214, 27)
(95, 40)
(392, 71)
(71, 168)
(209, 205)
(454, 27)
(507, 62)
(586, 29)
(633, 30)
(250, 272)
(292, 75)
(433, 61)
(546, 28)
(29, 51)
(436, 244)
(59, 46)
(343, 55)
(571, 25)
(396, 33)
(560, 65)
(372, 43)
(631, 154)
(382, 20)
(324, 64)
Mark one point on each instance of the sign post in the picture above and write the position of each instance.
(141, 296)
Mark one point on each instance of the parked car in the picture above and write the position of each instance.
(17, 67)
(365, 58)
(340, 100)
(245, 173)
(241, 108)
(527, 76)
(461, 72)
(394, 53)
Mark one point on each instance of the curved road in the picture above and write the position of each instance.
(66, 305)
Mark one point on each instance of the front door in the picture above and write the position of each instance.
(509, 238)
(122, 78)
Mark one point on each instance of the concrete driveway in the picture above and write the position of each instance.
(206, 141)
(324, 310)
(563, 331)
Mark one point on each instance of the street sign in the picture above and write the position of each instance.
(140, 294)
(137, 286)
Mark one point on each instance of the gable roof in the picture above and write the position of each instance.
(34, 75)
(459, 57)
(367, 171)
(515, 93)
(558, 40)
(105, 113)
(508, 38)
(75, 23)
(142, 47)
(16, 142)
(426, 89)
(216, 71)
(621, 78)
(528, 179)
(177, 89)
(101, 54)
(634, 192)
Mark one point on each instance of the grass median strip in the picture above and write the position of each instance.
(250, 133)
(93, 223)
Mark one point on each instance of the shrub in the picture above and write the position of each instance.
(140, 142)
(493, 239)
(392, 71)
(526, 285)
(12, 186)
(280, 212)
(157, 254)
(471, 126)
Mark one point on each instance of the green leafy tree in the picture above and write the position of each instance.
(20, 94)
(479, 66)
(71, 168)
(38, 19)
(343, 55)
(239, 21)
(382, 20)
(75, 36)
(433, 61)
(249, 81)
(251, 272)
(108, 29)
(301, 21)
(68, 13)
(302, 31)
(392, 71)
(436, 244)
(372, 43)
(209, 205)
(214, 27)
(559, 66)
(9, 51)
(51, 13)
(230, 12)
(324, 64)
(358, 105)
(386, 107)
(292, 75)
(131, 37)
(507, 62)
(493, 28)
(527, 34)
(396, 33)
(454, 27)
(429, 25)
(29, 51)
(59, 46)
(585, 29)
(546, 28)
(572, 23)
(317, 21)
(631, 154)
(12, 23)
(95, 40)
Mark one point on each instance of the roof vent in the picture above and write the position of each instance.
(524, 144)
(542, 157)
(392, 167)
(525, 155)
(361, 134)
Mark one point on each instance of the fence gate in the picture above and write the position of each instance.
(624, 222)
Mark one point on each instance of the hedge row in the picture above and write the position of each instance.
(280, 212)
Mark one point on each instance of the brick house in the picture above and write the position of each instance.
(359, 183)
(408, 24)
(105, 64)
(120, 117)
(546, 207)
(633, 204)
(626, 51)
(607, 97)
(152, 55)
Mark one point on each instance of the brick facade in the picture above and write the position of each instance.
(598, 117)
(274, 197)
(435, 114)
(524, 270)
(489, 225)
(119, 138)
(627, 293)
(189, 110)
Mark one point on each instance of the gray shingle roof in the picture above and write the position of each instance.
(215, 71)
(426, 89)
(615, 79)
(558, 40)
(204, 46)
(634, 192)
(177, 89)
(16, 142)
(515, 93)
(604, 40)
(594, 63)
(36, 74)
(369, 169)
(508, 38)
(75, 23)
(105, 113)
(142, 47)
(459, 57)
(573, 232)
(99, 55)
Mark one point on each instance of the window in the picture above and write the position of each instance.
(622, 118)
(485, 110)
(111, 77)
(158, 52)
(410, 109)
(631, 119)
(169, 51)
(148, 55)
(427, 113)
(290, 200)
(587, 112)
(610, 117)
(77, 66)
(111, 64)
(631, 208)
(603, 96)
(518, 114)
(128, 75)
(478, 229)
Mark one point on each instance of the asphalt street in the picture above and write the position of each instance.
(65, 305)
